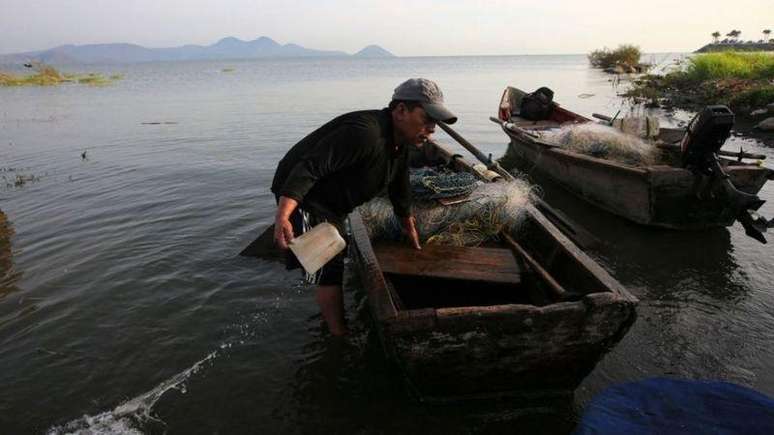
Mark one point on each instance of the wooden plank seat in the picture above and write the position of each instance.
(495, 265)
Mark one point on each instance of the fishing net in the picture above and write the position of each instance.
(604, 142)
(429, 183)
(490, 208)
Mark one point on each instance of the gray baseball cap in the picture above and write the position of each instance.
(429, 94)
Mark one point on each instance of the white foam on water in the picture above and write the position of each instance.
(124, 418)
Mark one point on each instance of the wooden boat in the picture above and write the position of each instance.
(530, 317)
(661, 195)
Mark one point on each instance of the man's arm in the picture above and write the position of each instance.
(409, 224)
(399, 191)
(283, 229)
(332, 153)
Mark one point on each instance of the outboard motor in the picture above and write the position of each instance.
(706, 133)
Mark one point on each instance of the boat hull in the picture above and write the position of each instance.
(660, 196)
(515, 350)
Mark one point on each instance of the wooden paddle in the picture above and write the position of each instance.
(263, 247)
(530, 136)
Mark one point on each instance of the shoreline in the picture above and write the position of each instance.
(741, 81)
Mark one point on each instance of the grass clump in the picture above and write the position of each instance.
(92, 79)
(754, 97)
(625, 58)
(46, 75)
(729, 64)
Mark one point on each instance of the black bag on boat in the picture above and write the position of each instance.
(538, 105)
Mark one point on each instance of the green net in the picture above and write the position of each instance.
(428, 183)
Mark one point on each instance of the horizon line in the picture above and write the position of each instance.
(316, 49)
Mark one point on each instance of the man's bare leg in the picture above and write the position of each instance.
(331, 302)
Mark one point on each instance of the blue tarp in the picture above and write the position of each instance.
(672, 406)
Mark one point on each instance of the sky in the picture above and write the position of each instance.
(404, 27)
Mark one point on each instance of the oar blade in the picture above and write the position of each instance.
(263, 247)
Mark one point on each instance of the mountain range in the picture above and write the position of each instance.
(226, 48)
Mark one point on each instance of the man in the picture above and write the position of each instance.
(349, 161)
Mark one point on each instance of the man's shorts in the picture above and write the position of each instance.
(333, 272)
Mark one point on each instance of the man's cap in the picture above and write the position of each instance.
(429, 94)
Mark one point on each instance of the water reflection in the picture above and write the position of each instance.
(693, 292)
(656, 261)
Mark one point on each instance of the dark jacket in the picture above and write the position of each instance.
(345, 163)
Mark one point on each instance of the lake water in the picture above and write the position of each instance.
(123, 305)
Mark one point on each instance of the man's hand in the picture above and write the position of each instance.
(283, 229)
(283, 233)
(409, 224)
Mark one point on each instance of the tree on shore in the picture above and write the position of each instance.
(734, 34)
(715, 36)
(766, 34)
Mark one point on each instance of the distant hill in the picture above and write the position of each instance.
(373, 51)
(226, 48)
(737, 46)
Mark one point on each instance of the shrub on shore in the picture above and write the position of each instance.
(626, 56)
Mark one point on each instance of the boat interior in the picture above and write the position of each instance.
(441, 276)
(532, 271)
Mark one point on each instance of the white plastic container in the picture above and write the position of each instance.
(316, 247)
(642, 126)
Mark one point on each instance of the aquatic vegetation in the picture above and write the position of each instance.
(46, 75)
(226, 70)
(93, 79)
(626, 56)
(7, 276)
(15, 178)
(6, 231)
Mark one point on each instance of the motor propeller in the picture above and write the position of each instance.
(705, 135)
